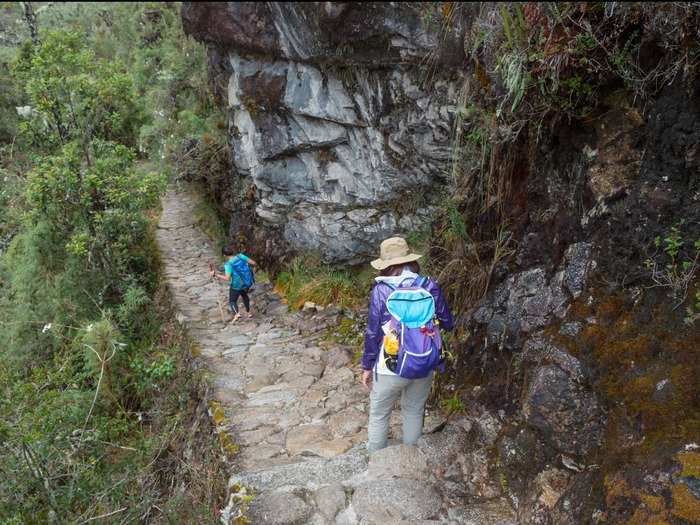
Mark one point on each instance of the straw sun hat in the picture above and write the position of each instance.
(394, 251)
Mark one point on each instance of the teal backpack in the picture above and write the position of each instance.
(242, 277)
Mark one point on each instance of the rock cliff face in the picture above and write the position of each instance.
(343, 137)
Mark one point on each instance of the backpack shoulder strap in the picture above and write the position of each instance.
(421, 281)
(233, 266)
(391, 286)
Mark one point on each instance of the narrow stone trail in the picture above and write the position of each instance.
(292, 416)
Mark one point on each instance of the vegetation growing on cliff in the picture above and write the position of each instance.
(556, 141)
(534, 68)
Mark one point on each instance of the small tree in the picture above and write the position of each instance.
(96, 210)
(77, 97)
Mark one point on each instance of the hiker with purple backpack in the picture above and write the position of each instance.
(402, 343)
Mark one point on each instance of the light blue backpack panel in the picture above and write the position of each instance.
(414, 307)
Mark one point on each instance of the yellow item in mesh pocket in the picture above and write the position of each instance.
(391, 345)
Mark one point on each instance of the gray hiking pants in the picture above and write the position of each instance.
(385, 391)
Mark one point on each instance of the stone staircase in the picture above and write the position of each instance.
(292, 415)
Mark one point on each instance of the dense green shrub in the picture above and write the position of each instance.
(96, 390)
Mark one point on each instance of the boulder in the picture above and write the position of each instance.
(399, 461)
(387, 501)
(441, 447)
(310, 473)
(340, 139)
(330, 500)
(278, 508)
(521, 455)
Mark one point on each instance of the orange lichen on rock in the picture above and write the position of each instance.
(642, 516)
(616, 351)
(579, 309)
(615, 487)
(609, 310)
(648, 360)
(653, 503)
(649, 509)
(685, 504)
(690, 461)
(646, 365)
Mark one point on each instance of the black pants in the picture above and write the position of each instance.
(233, 296)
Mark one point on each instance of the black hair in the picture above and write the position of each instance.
(396, 269)
(228, 250)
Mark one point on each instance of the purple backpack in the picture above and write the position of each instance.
(412, 322)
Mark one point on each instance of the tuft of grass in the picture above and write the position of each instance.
(453, 404)
(357, 357)
(307, 279)
(262, 277)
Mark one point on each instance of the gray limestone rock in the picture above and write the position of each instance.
(338, 357)
(567, 413)
(277, 397)
(441, 447)
(347, 517)
(543, 495)
(521, 455)
(478, 479)
(540, 351)
(347, 422)
(340, 157)
(330, 500)
(311, 473)
(387, 501)
(400, 461)
(279, 508)
(301, 438)
(263, 455)
(529, 300)
(578, 264)
(571, 329)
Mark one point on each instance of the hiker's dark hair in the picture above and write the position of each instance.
(228, 250)
(396, 269)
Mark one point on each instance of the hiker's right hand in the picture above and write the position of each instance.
(367, 379)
